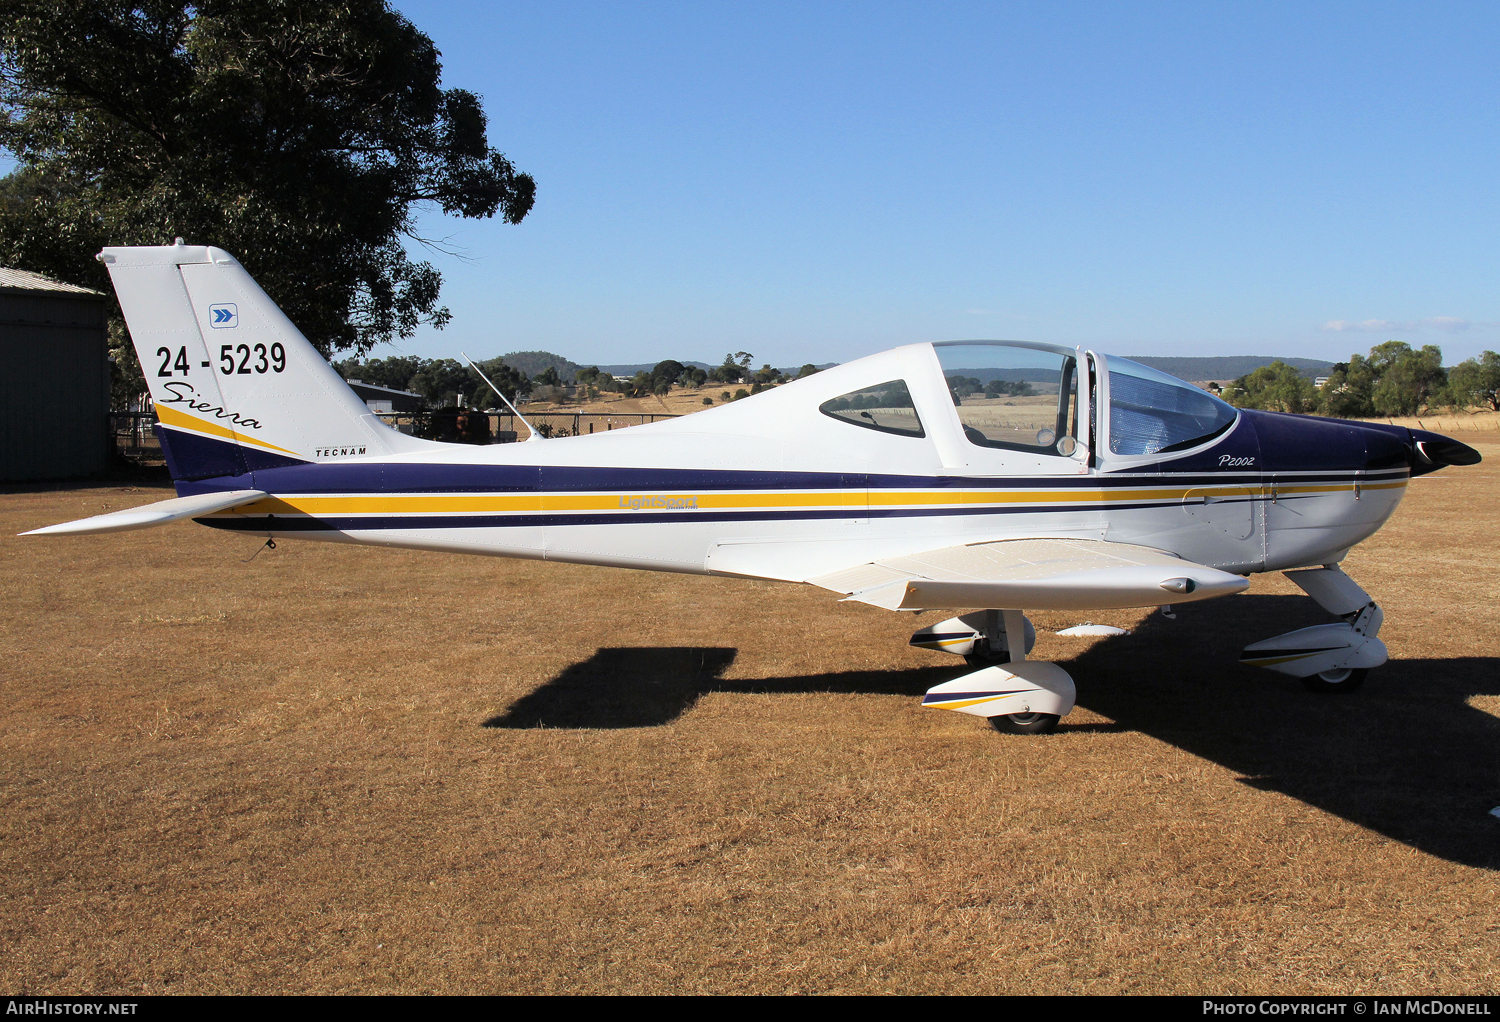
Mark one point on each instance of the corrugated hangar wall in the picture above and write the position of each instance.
(54, 380)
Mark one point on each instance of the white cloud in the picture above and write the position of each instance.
(1368, 326)
(1447, 324)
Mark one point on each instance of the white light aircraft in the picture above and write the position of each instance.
(1082, 481)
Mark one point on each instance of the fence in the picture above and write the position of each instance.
(133, 437)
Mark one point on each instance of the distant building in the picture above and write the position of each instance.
(54, 379)
(1320, 381)
(385, 399)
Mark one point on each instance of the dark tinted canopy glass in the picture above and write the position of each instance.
(886, 406)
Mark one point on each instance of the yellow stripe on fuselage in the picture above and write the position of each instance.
(503, 503)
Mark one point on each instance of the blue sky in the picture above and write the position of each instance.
(818, 181)
(814, 182)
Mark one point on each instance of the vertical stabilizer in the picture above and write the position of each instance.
(236, 385)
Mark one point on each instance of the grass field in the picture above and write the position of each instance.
(328, 768)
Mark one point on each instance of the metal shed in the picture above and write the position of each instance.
(54, 379)
(384, 399)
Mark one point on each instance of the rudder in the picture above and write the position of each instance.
(236, 385)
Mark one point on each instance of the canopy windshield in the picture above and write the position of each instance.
(1153, 413)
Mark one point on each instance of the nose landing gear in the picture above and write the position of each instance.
(1328, 658)
(1339, 679)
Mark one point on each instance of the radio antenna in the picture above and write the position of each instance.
(534, 434)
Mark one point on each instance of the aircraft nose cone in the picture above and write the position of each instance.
(1437, 450)
(1420, 450)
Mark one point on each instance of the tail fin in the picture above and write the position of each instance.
(236, 386)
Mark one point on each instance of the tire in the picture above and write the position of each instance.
(1346, 679)
(1025, 723)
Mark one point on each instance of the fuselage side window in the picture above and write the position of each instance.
(1012, 397)
(1153, 413)
(887, 407)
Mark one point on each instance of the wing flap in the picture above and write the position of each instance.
(1035, 574)
(160, 513)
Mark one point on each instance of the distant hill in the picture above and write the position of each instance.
(1227, 367)
(533, 362)
(646, 367)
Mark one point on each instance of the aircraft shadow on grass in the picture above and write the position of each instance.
(1404, 756)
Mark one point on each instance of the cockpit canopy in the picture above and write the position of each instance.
(1153, 413)
(1023, 396)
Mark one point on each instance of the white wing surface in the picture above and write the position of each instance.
(160, 513)
(1032, 574)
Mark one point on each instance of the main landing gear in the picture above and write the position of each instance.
(1329, 658)
(1016, 695)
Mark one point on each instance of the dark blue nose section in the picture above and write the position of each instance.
(1310, 443)
(1387, 447)
(1290, 443)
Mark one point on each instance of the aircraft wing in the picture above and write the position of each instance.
(160, 513)
(1032, 574)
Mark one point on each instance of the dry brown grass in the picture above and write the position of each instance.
(278, 776)
(1461, 424)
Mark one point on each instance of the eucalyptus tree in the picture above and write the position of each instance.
(304, 137)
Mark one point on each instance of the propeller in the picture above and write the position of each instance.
(1437, 450)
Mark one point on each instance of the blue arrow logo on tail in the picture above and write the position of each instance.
(223, 317)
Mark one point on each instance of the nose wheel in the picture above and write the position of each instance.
(1344, 679)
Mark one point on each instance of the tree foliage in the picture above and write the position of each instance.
(512, 382)
(665, 373)
(301, 136)
(1408, 380)
(1277, 387)
(395, 372)
(1476, 381)
(1393, 379)
(439, 380)
(736, 367)
(1347, 392)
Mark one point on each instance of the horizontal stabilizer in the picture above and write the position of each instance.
(1034, 574)
(160, 513)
